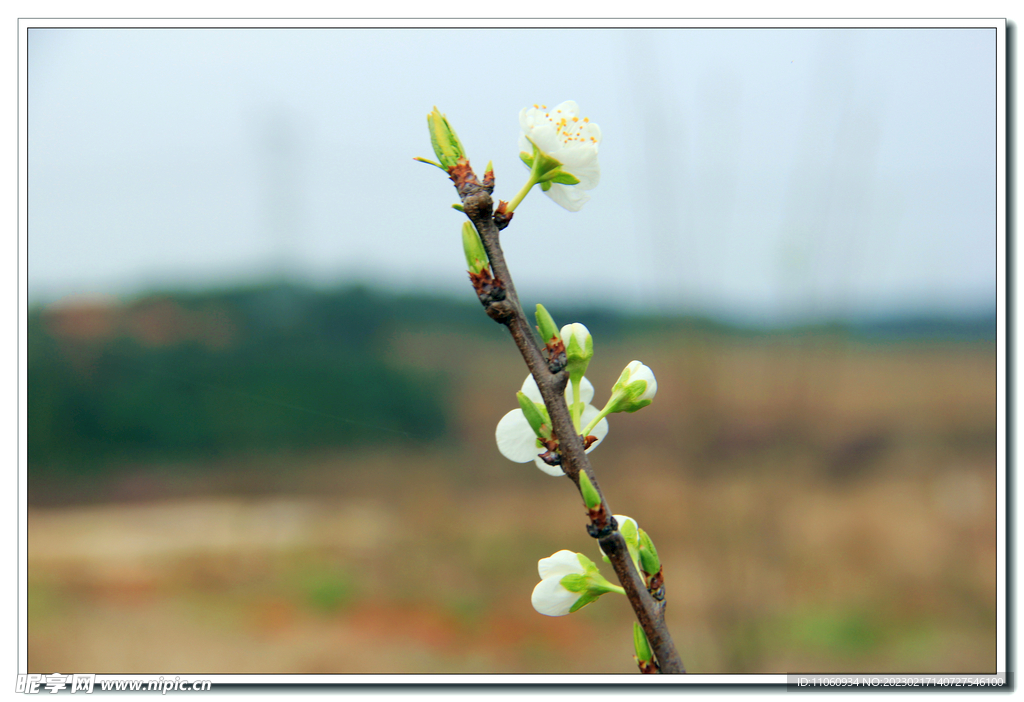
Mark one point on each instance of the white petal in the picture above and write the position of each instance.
(516, 439)
(551, 599)
(544, 135)
(567, 109)
(622, 519)
(560, 564)
(531, 390)
(569, 198)
(600, 430)
(574, 330)
(555, 471)
(582, 162)
(586, 391)
(638, 371)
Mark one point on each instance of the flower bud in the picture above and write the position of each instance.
(635, 388)
(579, 349)
(476, 256)
(447, 146)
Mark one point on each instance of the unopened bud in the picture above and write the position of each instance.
(476, 255)
(634, 389)
(579, 349)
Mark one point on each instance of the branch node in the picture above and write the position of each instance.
(502, 218)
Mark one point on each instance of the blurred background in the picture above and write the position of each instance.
(262, 395)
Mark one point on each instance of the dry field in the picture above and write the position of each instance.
(818, 506)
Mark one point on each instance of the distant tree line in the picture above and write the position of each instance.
(283, 367)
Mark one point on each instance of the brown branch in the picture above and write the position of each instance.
(478, 206)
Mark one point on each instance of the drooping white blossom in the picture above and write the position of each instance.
(572, 140)
(550, 597)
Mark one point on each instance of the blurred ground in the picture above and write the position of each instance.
(818, 505)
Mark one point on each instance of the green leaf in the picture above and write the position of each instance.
(649, 560)
(476, 256)
(591, 498)
(546, 324)
(532, 414)
(583, 601)
(640, 644)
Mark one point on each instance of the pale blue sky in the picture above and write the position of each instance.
(760, 174)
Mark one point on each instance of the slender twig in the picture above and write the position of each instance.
(478, 206)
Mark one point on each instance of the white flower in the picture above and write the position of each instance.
(562, 134)
(550, 597)
(517, 441)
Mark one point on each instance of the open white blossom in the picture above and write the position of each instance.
(517, 440)
(550, 597)
(562, 134)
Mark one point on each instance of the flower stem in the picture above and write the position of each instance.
(530, 182)
(593, 422)
(577, 406)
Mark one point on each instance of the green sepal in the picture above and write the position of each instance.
(641, 645)
(649, 561)
(624, 397)
(527, 159)
(575, 582)
(565, 178)
(542, 165)
(447, 146)
(476, 256)
(545, 324)
(578, 357)
(585, 599)
(545, 186)
(591, 498)
(538, 422)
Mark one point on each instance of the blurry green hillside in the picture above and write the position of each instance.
(285, 368)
